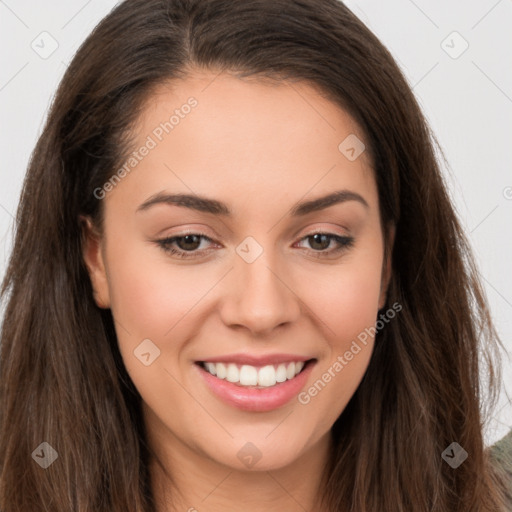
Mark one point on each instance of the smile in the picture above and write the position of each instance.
(258, 387)
(248, 375)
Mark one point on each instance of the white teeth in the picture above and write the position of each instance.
(233, 374)
(211, 368)
(281, 373)
(248, 375)
(220, 370)
(267, 376)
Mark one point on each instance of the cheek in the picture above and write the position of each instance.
(346, 307)
(150, 301)
(346, 298)
(356, 305)
(151, 296)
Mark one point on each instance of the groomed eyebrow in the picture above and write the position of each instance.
(207, 205)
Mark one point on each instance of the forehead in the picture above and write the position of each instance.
(247, 136)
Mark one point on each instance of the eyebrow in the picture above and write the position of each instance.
(215, 207)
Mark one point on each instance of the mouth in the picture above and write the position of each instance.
(256, 377)
(256, 387)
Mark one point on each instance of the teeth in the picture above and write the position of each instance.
(281, 373)
(211, 368)
(267, 376)
(220, 369)
(248, 375)
(233, 374)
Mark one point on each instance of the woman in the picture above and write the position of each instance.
(317, 347)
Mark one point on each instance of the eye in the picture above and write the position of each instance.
(321, 241)
(188, 245)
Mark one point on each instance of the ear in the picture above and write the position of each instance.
(386, 266)
(92, 252)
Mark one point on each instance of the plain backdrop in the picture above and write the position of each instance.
(455, 55)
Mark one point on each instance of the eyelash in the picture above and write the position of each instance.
(344, 242)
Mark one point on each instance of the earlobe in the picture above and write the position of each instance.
(93, 259)
(387, 266)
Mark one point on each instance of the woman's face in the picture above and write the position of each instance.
(258, 296)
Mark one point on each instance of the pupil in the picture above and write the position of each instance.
(187, 240)
(316, 238)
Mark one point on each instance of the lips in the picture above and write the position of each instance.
(253, 383)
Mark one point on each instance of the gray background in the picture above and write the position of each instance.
(466, 94)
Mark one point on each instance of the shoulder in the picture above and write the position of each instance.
(501, 455)
(501, 452)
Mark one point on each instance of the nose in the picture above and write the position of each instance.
(258, 297)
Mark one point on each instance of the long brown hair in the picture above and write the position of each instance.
(62, 377)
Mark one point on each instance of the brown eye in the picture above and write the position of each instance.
(320, 242)
(188, 242)
(184, 246)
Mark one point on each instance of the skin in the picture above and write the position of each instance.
(261, 149)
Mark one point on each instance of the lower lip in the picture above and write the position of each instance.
(254, 399)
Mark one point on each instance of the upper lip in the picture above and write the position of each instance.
(254, 360)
